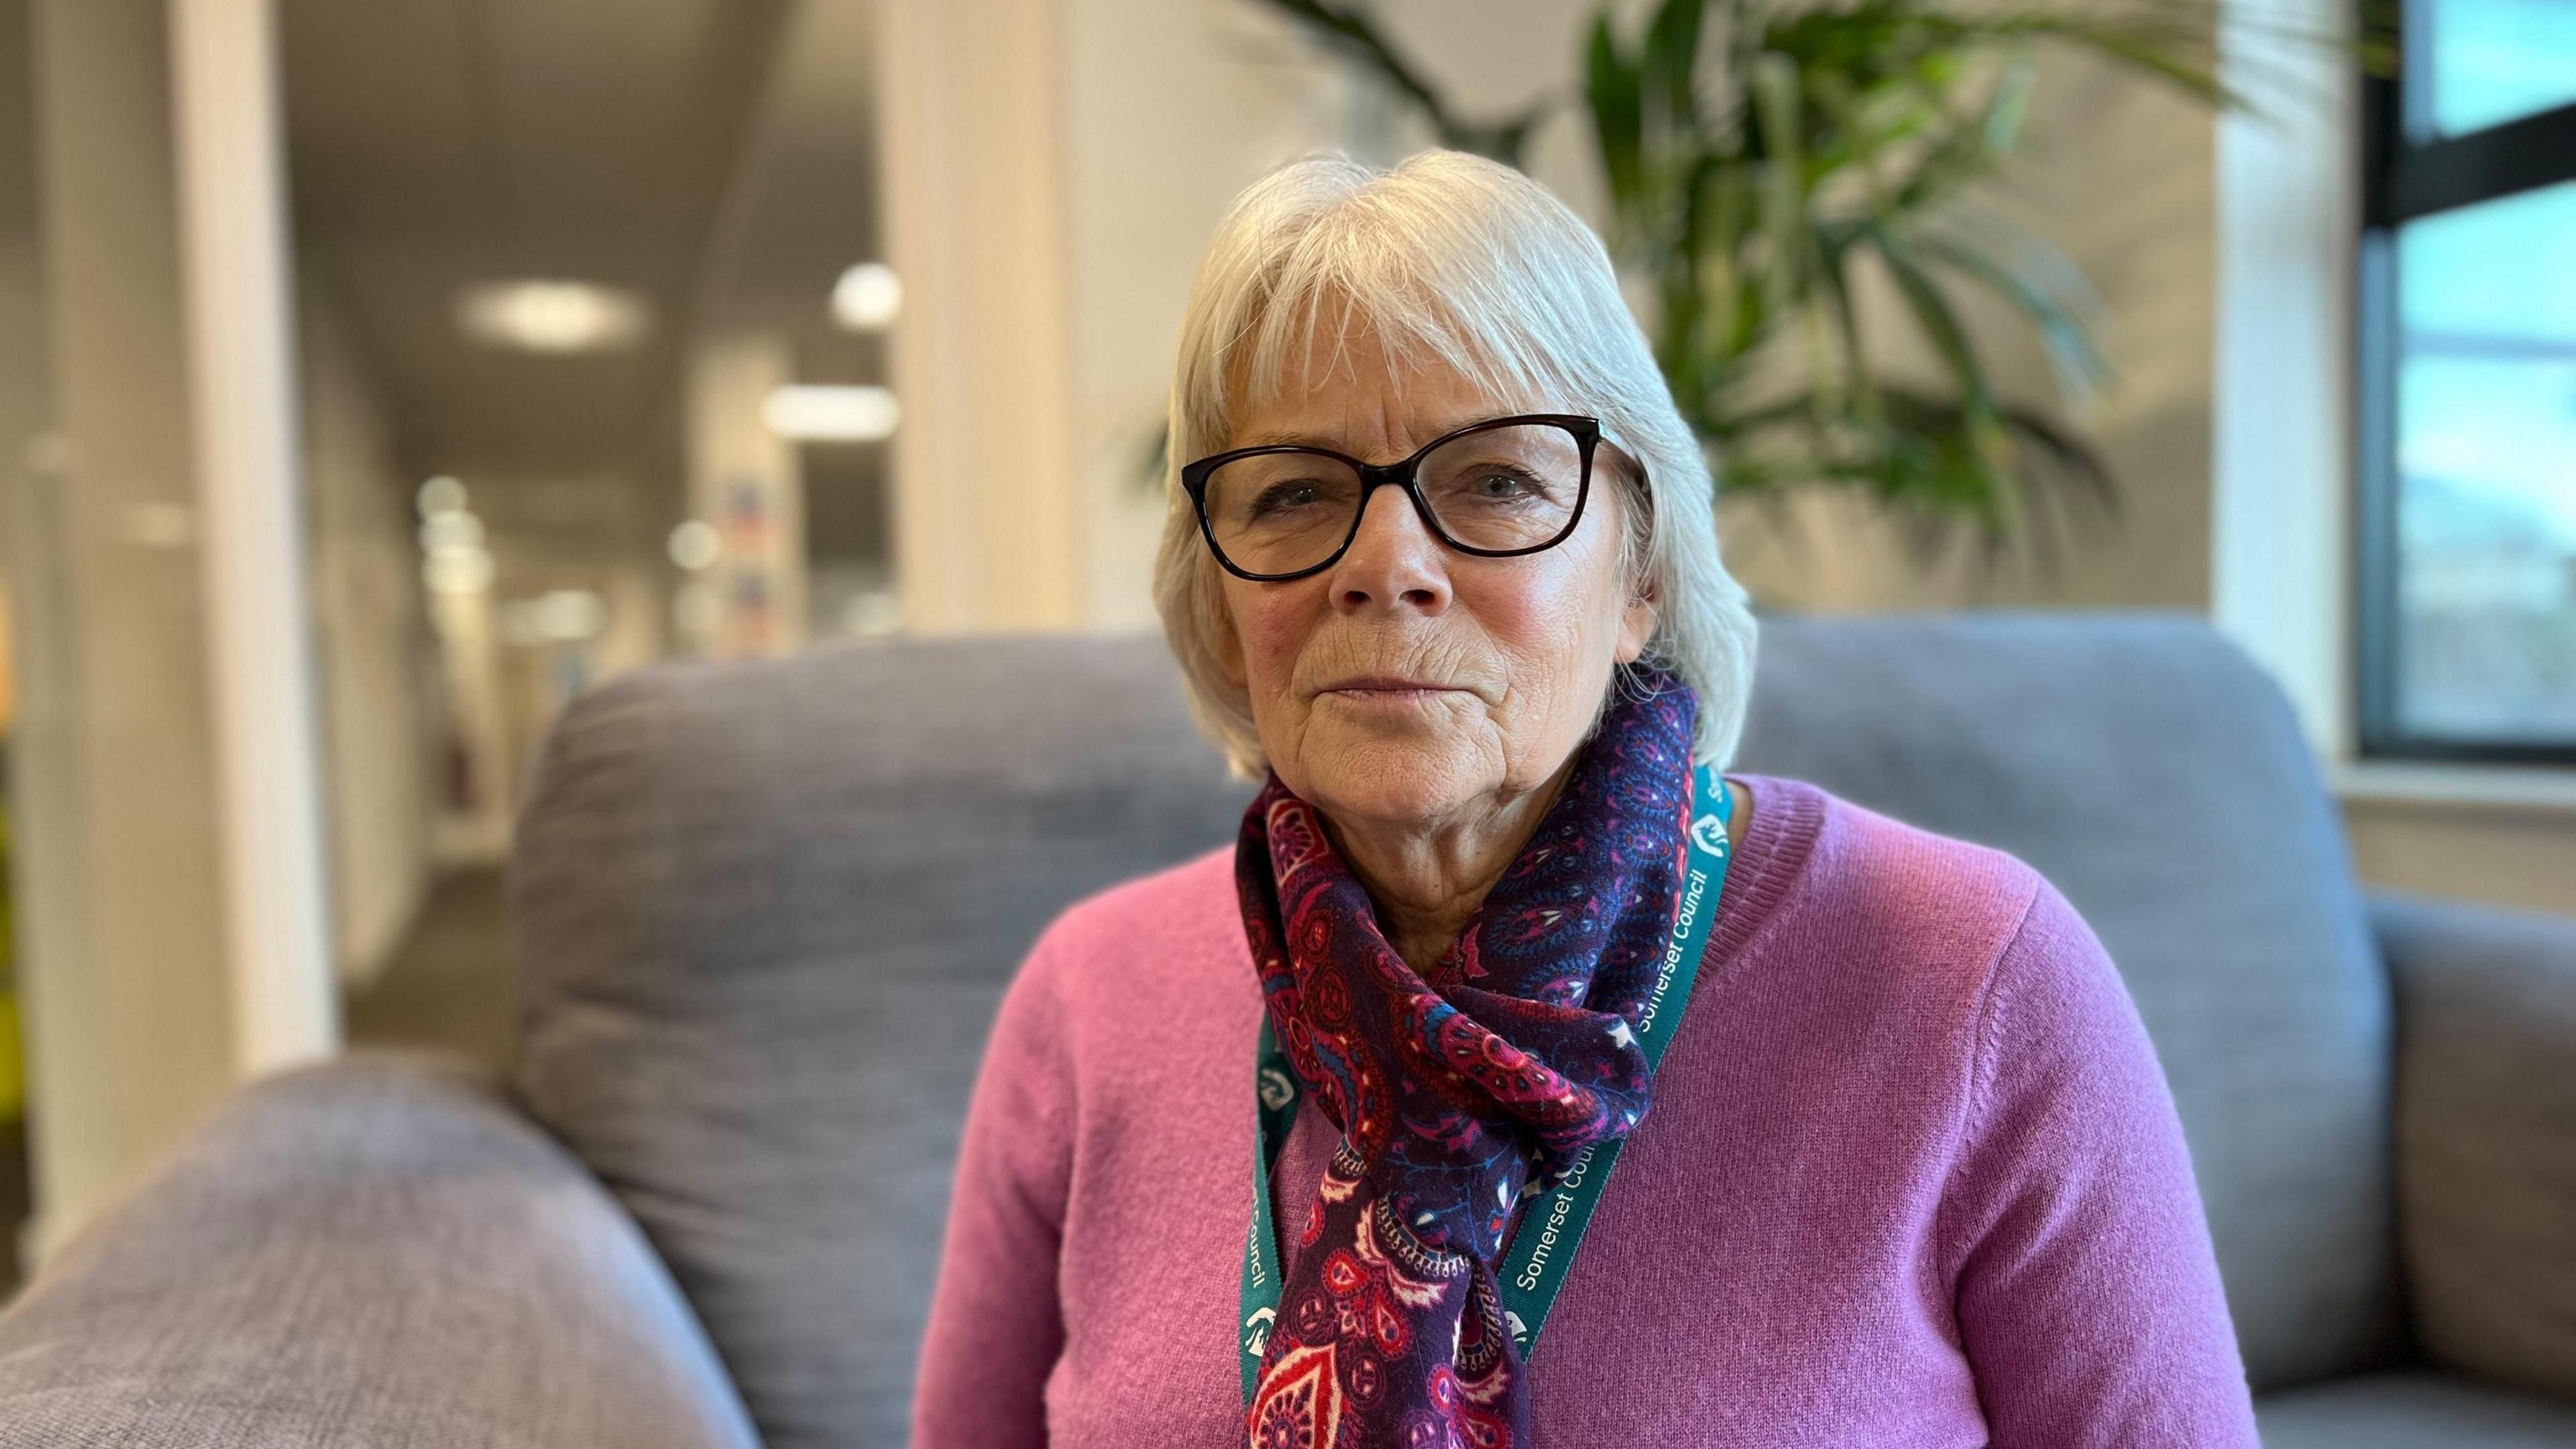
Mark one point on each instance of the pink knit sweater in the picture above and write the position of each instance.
(1912, 1177)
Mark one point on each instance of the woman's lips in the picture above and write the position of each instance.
(1376, 690)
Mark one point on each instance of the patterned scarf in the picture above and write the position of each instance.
(1457, 1095)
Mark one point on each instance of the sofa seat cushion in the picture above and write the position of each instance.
(2413, 1410)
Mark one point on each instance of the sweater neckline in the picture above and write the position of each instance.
(1788, 816)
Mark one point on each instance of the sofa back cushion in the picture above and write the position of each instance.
(763, 913)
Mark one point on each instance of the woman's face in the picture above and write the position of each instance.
(1410, 684)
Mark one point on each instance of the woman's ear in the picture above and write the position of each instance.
(1637, 626)
(1637, 622)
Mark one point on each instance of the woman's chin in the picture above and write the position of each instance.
(1389, 779)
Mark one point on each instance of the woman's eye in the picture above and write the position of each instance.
(1503, 485)
(1285, 497)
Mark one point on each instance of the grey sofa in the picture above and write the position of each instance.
(763, 913)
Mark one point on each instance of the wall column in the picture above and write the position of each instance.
(237, 283)
(989, 523)
(2281, 395)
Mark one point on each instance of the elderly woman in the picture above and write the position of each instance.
(1518, 1077)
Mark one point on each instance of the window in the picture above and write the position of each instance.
(2467, 576)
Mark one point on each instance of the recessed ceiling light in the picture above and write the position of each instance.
(808, 413)
(441, 494)
(867, 297)
(695, 545)
(544, 316)
(453, 532)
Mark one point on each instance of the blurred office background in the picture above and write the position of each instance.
(375, 375)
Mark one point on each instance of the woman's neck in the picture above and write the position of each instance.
(1426, 881)
(1426, 887)
(1428, 878)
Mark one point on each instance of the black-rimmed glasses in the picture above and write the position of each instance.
(1494, 489)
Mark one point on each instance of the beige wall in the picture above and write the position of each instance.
(369, 630)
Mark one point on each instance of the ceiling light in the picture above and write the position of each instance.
(552, 316)
(807, 413)
(867, 297)
(441, 494)
(695, 545)
(456, 532)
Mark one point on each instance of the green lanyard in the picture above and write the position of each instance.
(1550, 1230)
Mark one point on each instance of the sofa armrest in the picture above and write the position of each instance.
(2486, 1132)
(372, 1251)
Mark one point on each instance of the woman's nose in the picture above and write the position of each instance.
(1393, 560)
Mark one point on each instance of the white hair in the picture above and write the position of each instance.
(1453, 259)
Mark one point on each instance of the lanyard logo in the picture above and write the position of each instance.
(1709, 834)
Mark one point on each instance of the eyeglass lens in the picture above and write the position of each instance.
(1500, 490)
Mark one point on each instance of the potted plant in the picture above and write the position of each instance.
(1761, 155)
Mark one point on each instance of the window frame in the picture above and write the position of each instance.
(2402, 180)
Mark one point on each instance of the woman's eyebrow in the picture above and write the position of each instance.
(1291, 438)
(1287, 438)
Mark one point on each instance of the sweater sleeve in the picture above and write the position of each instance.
(995, 1328)
(2089, 1302)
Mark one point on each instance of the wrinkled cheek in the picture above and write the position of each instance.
(1540, 631)
(1271, 637)
(1272, 634)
